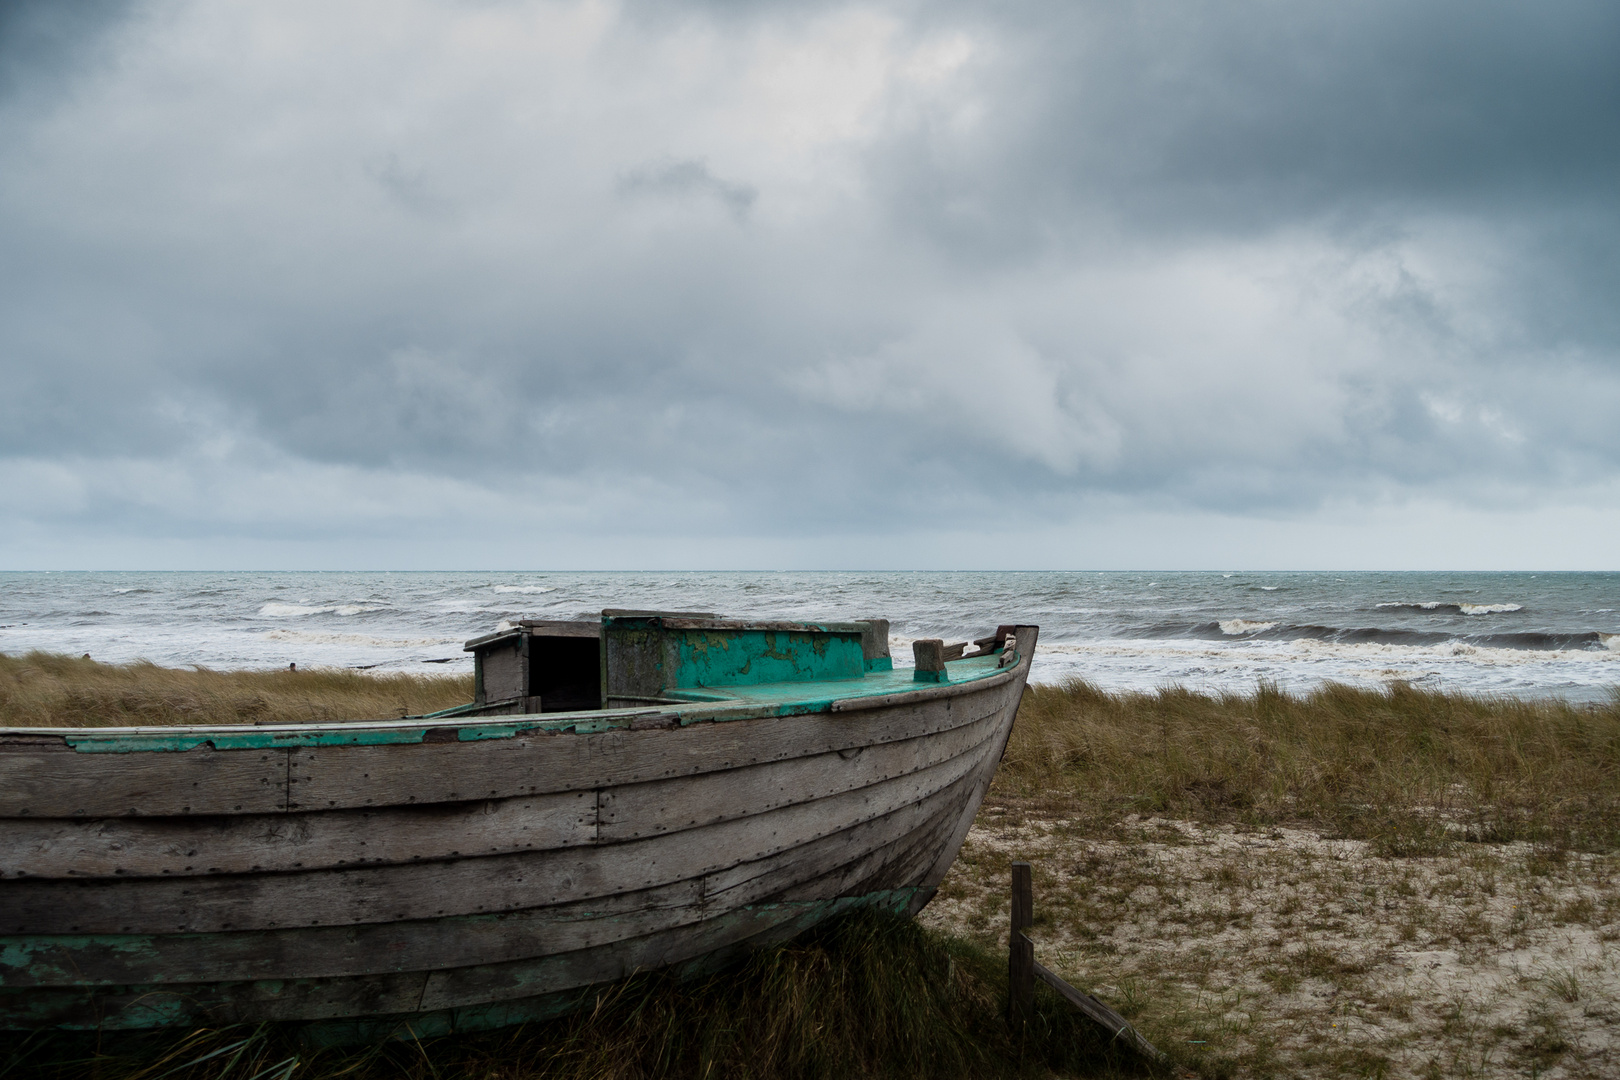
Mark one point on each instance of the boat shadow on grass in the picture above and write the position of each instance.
(867, 994)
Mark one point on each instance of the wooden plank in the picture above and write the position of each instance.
(313, 952)
(1023, 902)
(397, 993)
(924, 694)
(331, 777)
(503, 670)
(777, 626)
(874, 641)
(125, 1008)
(334, 951)
(523, 978)
(807, 878)
(1110, 1021)
(549, 974)
(1020, 950)
(980, 783)
(150, 847)
(457, 887)
(637, 810)
(270, 843)
(59, 783)
(928, 654)
(467, 985)
(895, 864)
(573, 628)
(43, 782)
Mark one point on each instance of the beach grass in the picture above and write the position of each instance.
(48, 690)
(1410, 770)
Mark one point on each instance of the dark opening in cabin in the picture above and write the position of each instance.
(538, 666)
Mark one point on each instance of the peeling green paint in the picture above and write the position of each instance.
(755, 657)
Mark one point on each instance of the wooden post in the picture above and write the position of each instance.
(929, 656)
(1021, 950)
(1022, 971)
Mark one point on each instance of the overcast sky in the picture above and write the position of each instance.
(850, 285)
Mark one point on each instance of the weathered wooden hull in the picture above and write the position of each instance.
(471, 875)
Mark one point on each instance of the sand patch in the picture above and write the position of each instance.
(1284, 952)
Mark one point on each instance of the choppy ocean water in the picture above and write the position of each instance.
(1528, 635)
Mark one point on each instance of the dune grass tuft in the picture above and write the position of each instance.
(1409, 769)
(865, 995)
(48, 690)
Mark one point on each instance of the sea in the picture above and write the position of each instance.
(1527, 635)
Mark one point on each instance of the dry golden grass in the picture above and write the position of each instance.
(47, 690)
(1407, 769)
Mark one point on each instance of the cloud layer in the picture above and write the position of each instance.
(816, 284)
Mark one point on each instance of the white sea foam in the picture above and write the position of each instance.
(1610, 641)
(1270, 588)
(275, 609)
(1238, 665)
(531, 590)
(1466, 609)
(371, 641)
(1235, 627)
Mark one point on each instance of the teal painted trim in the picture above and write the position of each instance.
(881, 663)
(930, 676)
(455, 710)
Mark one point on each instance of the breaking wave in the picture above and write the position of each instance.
(1253, 630)
(275, 609)
(530, 590)
(1457, 608)
(310, 637)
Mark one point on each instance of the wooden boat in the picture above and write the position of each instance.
(657, 789)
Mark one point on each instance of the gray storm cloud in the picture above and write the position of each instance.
(315, 276)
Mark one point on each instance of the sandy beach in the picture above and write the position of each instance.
(1278, 952)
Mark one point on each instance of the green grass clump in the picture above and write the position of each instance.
(865, 995)
(48, 690)
(1412, 770)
